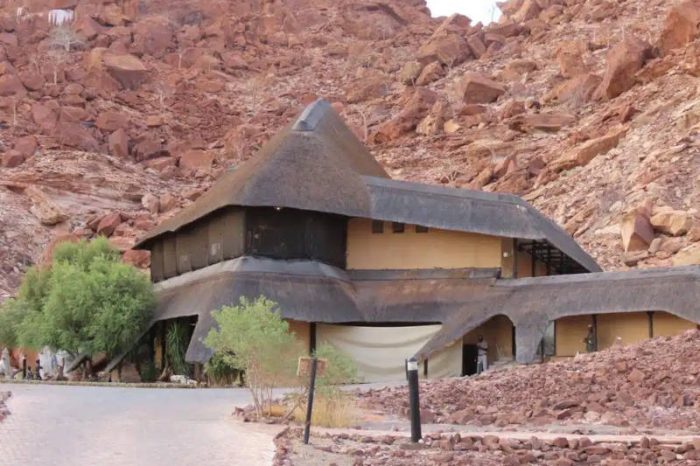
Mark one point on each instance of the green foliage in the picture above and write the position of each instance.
(176, 341)
(221, 372)
(340, 368)
(10, 317)
(253, 336)
(87, 301)
(148, 372)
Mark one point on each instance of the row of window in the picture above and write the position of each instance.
(396, 227)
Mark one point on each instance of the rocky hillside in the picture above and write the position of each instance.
(114, 114)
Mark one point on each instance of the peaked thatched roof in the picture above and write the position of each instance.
(318, 164)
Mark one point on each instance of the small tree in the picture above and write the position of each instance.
(85, 301)
(10, 317)
(253, 337)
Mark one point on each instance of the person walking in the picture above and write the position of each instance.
(482, 362)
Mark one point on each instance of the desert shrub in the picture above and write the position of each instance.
(148, 372)
(176, 341)
(221, 372)
(252, 336)
(332, 406)
(85, 301)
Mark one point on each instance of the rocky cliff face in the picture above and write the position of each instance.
(116, 114)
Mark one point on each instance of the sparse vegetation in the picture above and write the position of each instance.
(253, 337)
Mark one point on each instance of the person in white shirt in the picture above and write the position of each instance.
(482, 362)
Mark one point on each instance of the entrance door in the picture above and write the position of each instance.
(469, 355)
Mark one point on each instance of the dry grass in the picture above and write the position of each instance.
(335, 410)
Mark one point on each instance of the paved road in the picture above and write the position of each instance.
(54, 425)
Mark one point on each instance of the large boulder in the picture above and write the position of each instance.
(570, 58)
(128, 70)
(680, 26)
(194, 160)
(450, 50)
(408, 118)
(672, 222)
(583, 154)
(111, 120)
(118, 143)
(637, 232)
(623, 62)
(477, 88)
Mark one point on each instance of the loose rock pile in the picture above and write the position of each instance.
(487, 450)
(655, 384)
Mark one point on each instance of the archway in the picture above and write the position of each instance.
(612, 328)
(499, 333)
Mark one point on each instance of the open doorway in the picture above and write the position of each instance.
(499, 334)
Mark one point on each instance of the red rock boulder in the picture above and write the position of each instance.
(624, 60)
(477, 88)
(680, 26)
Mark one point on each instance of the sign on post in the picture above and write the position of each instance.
(304, 366)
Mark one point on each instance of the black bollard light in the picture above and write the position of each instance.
(310, 402)
(413, 398)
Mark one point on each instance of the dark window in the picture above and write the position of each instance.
(377, 226)
(397, 227)
(421, 229)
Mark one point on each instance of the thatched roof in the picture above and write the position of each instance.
(459, 299)
(318, 164)
(531, 303)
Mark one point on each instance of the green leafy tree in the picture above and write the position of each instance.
(86, 301)
(253, 337)
(10, 317)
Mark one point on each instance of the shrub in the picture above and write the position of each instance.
(221, 372)
(86, 301)
(176, 341)
(253, 337)
(332, 406)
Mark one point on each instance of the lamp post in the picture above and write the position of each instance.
(413, 398)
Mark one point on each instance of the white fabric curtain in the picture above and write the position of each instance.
(379, 352)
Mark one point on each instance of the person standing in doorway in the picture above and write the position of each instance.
(590, 340)
(482, 362)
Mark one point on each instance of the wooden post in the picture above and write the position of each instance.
(310, 402)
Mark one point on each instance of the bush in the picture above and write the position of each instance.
(332, 406)
(86, 301)
(221, 372)
(253, 337)
(176, 340)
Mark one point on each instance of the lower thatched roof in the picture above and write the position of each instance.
(460, 300)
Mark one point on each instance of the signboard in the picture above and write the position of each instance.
(304, 366)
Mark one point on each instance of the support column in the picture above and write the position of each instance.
(527, 341)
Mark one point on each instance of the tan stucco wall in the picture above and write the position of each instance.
(570, 333)
(411, 250)
(498, 333)
(666, 325)
(301, 330)
(631, 327)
